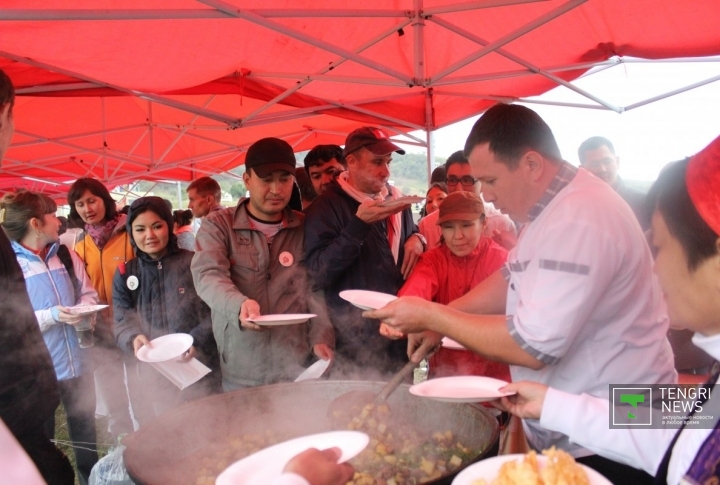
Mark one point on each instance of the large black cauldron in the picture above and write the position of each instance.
(163, 451)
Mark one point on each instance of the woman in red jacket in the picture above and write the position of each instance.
(445, 273)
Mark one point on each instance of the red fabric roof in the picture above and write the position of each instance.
(85, 70)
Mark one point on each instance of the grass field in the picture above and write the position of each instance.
(104, 439)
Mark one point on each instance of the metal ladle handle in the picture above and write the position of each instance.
(400, 377)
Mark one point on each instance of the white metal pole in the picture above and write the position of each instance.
(429, 133)
(179, 194)
(430, 140)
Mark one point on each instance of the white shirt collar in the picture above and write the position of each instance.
(710, 344)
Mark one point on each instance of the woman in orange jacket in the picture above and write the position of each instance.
(103, 245)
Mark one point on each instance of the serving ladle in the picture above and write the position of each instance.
(350, 404)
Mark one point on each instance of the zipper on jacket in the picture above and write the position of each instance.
(268, 275)
(161, 283)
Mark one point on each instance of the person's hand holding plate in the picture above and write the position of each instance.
(140, 341)
(406, 314)
(527, 403)
(250, 309)
(320, 467)
(323, 351)
(371, 211)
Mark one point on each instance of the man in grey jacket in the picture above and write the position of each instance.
(597, 154)
(247, 263)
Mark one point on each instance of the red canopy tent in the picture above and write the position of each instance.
(174, 90)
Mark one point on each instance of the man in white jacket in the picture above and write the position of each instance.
(576, 306)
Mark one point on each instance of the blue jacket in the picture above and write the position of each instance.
(344, 253)
(49, 285)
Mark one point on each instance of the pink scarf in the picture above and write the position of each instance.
(394, 221)
(101, 233)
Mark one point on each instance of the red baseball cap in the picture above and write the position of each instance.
(374, 139)
(703, 184)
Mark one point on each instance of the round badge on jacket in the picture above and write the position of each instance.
(133, 282)
(286, 259)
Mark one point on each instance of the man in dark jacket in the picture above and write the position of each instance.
(357, 238)
(28, 386)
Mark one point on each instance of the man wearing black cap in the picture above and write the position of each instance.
(357, 239)
(247, 263)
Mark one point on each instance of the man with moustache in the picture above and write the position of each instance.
(28, 386)
(248, 263)
(355, 240)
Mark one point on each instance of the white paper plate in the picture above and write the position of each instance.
(262, 467)
(461, 389)
(452, 344)
(410, 199)
(86, 309)
(315, 371)
(367, 300)
(488, 470)
(281, 319)
(165, 348)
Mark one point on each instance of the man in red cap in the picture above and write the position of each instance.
(357, 239)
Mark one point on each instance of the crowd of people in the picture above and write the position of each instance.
(542, 271)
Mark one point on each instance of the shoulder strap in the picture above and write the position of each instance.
(64, 254)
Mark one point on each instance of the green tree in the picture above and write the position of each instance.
(238, 190)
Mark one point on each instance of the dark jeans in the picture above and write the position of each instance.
(617, 473)
(78, 397)
(25, 409)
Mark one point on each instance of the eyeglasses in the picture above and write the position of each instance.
(466, 180)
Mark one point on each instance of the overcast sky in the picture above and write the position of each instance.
(645, 138)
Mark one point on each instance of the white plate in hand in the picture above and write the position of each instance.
(367, 300)
(264, 466)
(461, 389)
(165, 348)
(407, 200)
(281, 319)
(315, 371)
(452, 344)
(86, 309)
(489, 469)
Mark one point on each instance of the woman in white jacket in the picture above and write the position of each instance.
(686, 234)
